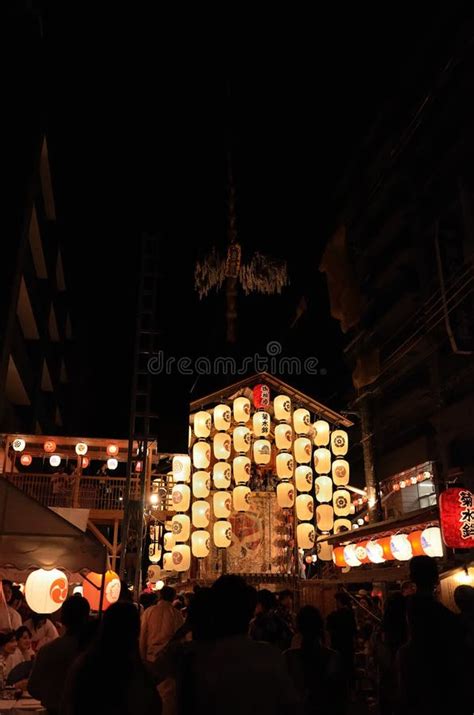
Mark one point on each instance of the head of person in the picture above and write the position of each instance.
(408, 588)
(7, 590)
(23, 638)
(266, 601)
(424, 574)
(464, 598)
(233, 604)
(75, 613)
(148, 599)
(120, 629)
(342, 600)
(310, 625)
(8, 643)
(285, 599)
(168, 594)
(17, 599)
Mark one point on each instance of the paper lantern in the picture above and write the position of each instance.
(55, 460)
(153, 574)
(81, 449)
(112, 449)
(350, 556)
(361, 552)
(201, 455)
(304, 507)
(138, 466)
(324, 550)
(285, 495)
(241, 408)
(112, 463)
(200, 544)
(431, 541)
(338, 557)
(201, 513)
(342, 502)
(181, 555)
(26, 459)
(456, 506)
(340, 472)
(341, 525)
(46, 591)
(241, 439)
(375, 552)
(261, 424)
(323, 489)
(181, 527)
(78, 590)
(322, 460)
(201, 485)
(400, 547)
(92, 586)
(222, 504)
(283, 436)
(305, 535)
(321, 433)
(324, 517)
(85, 462)
(301, 421)
(222, 534)
(222, 417)
(181, 497)
(154, 552)
(222, 445)
(303, 450)
(415, 541)
(181, 466)
(304, 478)
(284, 465)
(241, 469)
(261, 396)
(202, 424)
(49, 446)
(339, 442)
(168, 540)
(168, 561)
(282, 408)
(262, 451)
(19, 444)
(221, 475)
(241, 498)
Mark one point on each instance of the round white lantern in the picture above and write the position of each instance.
(241, 438)
(241, 407)
(262, 451)
(112, 463)
(283, 436)
(341, 525)
(284, 465)
(304, 478)
(181, 555)
(201, 455)
(18, 444)
(339, 442)
(181, 467)
(201, 513)
(350, 555)
(221, 474)
(241, 468)
(304, 507)
(55, 460)
(168, 540)
(154, 552)
(168, 561)
(400, 546)
(181, 497)
(202, 424)
(322, 460)
(431, 541)
(181, 527)
(324, 517)
(323, 489)
(285, 495)
(200, 543)
(201, 485)
(375, 552)
(305, 535)
(241, 498)
(324, 550)
(222, 534)
(222, 417)
(81, 449)
(282, 408)
(303, 450)
(79, 590)
(222, 444)
(340, 472)
(261, 424)
(342, 502)
(301, 421)
(222, 503)
(321, 433)
(46, 591)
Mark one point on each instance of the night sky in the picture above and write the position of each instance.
(139, 124)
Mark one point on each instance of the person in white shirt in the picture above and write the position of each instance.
(12, 615)
(42, 630)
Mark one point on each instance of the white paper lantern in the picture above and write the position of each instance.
(282, 408)
(79, 590)
(81, 449)
(181, 527)
(340, 472)
(200, 544)
(323, 489)
(261, 424)
(285, 495)
(339, 442)
(222, 444)
(284, 465)
(18, 444)
(262, 451)
(342, 502)
(304, 507)
(221, 475)
(304, 478)
(201, 513)
(181, 497)
(301, 421)
(222, 503)
(241, 498)
(341, 525)
(283, 436)
(431, 541)
(324, 550)
(375, 552)
(324, 517)
(222, 534)
(154, 552)
(46, 591)
(303, 450)
(168, 541)
(112, 463)
(241, 437)
(350, 555)
(322, 460)
(168, 564)
(202, 424)
(241, 407)
(400, 547)
(181, 467)
(305, 535)
(201, 485)
(55, 460)
(201, 455)
(321, 433)
(181, 557)
(222, 417)
(241, 469)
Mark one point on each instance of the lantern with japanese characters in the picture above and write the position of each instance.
(282, 408)
(262, 451)
(301, 421)
(304, 478)
(222, 534)
(302, 448)
(241, 410)
(222, 418)
(285, 495)
(305, 535)
(181, 467)
(457, 518)
(241, 438)
(241, 498)
(221, 475)
(339, 442)
(340, 472)
(283, 436)
(261, 424)
(181, 556)
(284, 465)
(181, 497)
(92, 588)
(181, 527)
(261, 397)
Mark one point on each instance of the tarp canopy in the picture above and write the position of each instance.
(33, 536)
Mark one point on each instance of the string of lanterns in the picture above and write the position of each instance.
(399, 547)
(49, 447)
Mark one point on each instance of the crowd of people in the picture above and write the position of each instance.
(229, 648)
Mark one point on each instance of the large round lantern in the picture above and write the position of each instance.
(201, 485)
(222, 504)
(222, 534)
(285, 495)
(92, 587)
(375, 552)
(284, 465)
(81, 449)
(282, 408)
(241, 439)
(321, 433)
(181, 527)
(26, 459)
(301, 421)
(46, 591)
(241, 498)
(305, 535)
(201, 455)
(431, 541)
(350, 555)
(200, 543)
(361, 552)
(241, 409)
(341, 525)
(304, 478)
(19, 444)
(55, 460)
(181, 467)
(221, 474)
(112, 449)
(261, 396)
(241, 469)
(261, 424)
(222, 444)
(303, 450)
(112, 463)
(201, 513)
(181, 497)
(304, 507)
(340, 472)
(154, 552)
(324, 550)
(415, 541)
(324, 517)
(168, 540)
(322, 460)
(262, 451)
(323, 489)
(338, 557)
(222, 417)
(168, 561)
(181, 555)
(283, 436)
(342, 502)
(49, 446)
(400, 547)
(339, 442)
(202, 424)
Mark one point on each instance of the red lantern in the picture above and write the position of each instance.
(456, 508)
(415, 541)
(26, 459)
(261, 396)
(49, 446)
(112, 450)
(138, 467)
(338, 556)
(92, 588)
(85, 462)
(385, 544)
